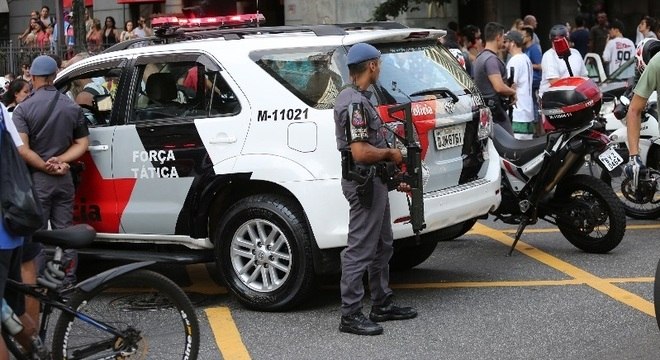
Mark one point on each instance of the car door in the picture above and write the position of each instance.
(95, 200)
(179, 109)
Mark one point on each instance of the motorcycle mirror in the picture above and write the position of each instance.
(624, 100)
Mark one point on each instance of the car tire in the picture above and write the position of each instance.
(263, 250)
(454, 231)
(407, 257)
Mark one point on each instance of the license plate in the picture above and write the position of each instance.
(610, 158)
(448, 137)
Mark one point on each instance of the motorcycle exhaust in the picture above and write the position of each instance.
(569, 160)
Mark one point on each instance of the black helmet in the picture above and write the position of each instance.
(645, 51)
(558, 30)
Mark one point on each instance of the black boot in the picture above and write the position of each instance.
(358, 324)
(390, 311)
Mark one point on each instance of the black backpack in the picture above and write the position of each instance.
(21, 211)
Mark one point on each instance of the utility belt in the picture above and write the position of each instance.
(364, 176)
(384, 170)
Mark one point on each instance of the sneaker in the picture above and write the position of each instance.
(359, 324)
(390, 311)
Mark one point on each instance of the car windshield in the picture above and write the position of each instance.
(414, 69)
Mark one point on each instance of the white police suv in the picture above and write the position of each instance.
(219, 145)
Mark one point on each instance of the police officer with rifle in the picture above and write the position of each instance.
(368, 173)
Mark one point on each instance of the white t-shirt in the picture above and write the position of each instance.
(523, 111)
(139, 32)
(617, 51)
(9, 124)
(552, 67)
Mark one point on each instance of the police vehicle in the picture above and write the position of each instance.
(219, 145)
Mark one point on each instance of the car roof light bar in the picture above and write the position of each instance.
(208, 21)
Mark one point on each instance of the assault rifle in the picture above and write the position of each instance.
(412, 173)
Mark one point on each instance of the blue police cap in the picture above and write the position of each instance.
(361, 52)
(43, 65)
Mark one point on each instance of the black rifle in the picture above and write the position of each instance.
(413, 171)
(507, 101)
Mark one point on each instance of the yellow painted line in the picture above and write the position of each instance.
(589, 279)
(553, 230)
(202, 282)
(226, 334)
(486, 284)
(631, 280)
(505, 283)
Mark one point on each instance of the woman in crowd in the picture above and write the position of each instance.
(30, 39)
(517, 25)
(33, 15)
(110, 32)
(17, 91)
(42, 37)
(128, 33)
(95, 37)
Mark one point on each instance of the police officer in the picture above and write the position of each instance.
(357, 128)
(54, 133)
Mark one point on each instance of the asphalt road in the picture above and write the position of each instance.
(549, 301)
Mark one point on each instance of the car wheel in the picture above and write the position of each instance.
(454, 231)
(405, 258)
(263, 250)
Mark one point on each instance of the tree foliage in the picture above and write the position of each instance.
(394, 8)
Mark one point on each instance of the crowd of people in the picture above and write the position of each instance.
(41, 32)
(504, 63)
(510, 82)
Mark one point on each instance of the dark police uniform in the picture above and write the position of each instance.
(51, 135)
(369, 229)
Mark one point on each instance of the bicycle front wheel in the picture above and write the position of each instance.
(156, 319)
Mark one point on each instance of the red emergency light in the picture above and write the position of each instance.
(210, 21)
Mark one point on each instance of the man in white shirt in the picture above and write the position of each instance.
(619, 50)
(523, 113)
(554, 68)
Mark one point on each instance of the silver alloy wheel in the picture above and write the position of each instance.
(261, 255)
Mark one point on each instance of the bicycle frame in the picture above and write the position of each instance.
(51, 299)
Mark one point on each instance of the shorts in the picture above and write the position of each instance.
(10, 268)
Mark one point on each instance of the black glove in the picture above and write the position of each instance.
(634, 169)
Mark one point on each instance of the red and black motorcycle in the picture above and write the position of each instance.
(540, 178)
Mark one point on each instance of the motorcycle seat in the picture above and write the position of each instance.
(517, 151)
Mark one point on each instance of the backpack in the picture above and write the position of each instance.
(21, 211)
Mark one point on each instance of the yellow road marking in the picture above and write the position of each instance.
(201, 281)
(552, 230)
(504, 283)
(226, 334)
(587, 278)
(631, 280)
(484, 284)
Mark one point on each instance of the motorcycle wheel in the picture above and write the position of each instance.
(648, 206)
(656, 294)
(591, 217)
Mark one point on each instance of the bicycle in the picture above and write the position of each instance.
(101, 320)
